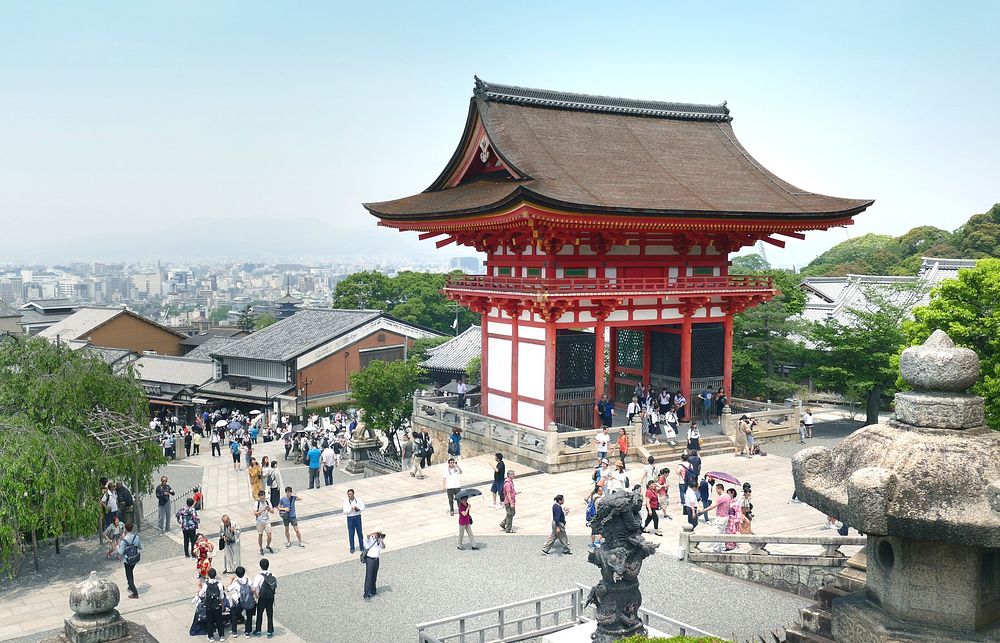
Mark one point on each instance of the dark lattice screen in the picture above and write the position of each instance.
(665, 354)
(706, 350)
(574, 359)
(630, 345)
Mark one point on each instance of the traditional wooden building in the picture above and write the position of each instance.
(115, 328)
(604, 217)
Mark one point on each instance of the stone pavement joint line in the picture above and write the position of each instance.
(417, 514)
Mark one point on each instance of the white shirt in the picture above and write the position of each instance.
(602, 439)
(234, 588)
(452, 477)
(262, 506)
(691, 498)
(258, 581)
(111, 500)
(616, 481)
(807, 419)
(633, 407)
(328, 457)
(353, 507)
(373, 547)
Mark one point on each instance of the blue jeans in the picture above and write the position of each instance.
(354, 527)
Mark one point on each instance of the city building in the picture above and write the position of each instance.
(603, 218)
(39, 314)
(115, 328)
(10, 319)
(306, 360)
(449, 361)
(198, 337)
(171, 383)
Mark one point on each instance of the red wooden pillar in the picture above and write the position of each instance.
(484, 369)
(727, 355)
(613, 365)
(647, 352)
(550, 373)
(686, 362)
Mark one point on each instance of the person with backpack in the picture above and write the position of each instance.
(419, 449)
(261, 513)
(163, 494)
(286, 508)
(188, 519)
(234, 448)
(265, 585)
(130, 551)
(242, 602)
(213, 595)
(592, 503)
(374, 544)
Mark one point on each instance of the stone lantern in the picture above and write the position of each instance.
(925, 489)
(95, 618)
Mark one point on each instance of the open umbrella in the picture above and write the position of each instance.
(722, 476)
(468, 493)
(255, 412)
(220, 424)
(235, 426)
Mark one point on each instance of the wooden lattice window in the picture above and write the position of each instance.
(665, 354)
(706, 350)
(574, 359)
(630, 347)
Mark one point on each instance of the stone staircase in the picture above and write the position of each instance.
(816, 620)
(663, 452)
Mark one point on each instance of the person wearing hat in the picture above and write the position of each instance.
(600, 478)
(618, 480)
(741, 436)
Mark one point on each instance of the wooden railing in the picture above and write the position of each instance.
(575, 407)
(611, 286)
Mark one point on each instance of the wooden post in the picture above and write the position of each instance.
(647, 353)
(727, 354)
(483, 369)
(612, 364)
(34, 548)
(550, 373)
(686, 365)
(599, 360)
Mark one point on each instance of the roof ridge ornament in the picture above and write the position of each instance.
(546, 98)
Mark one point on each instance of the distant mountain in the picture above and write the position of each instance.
(880, 254)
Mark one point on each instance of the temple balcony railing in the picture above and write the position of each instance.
(608, 287)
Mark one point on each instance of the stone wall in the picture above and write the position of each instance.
(802, 579)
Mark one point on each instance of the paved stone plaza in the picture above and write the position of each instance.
(423, 576)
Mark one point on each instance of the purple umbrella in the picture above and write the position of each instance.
(722, 476)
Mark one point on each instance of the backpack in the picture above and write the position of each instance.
(130, 553)
(690, 477)
(247, 601)
(125, 498)
(268, 587)
(213, 597)
(591, 510)
(234, 447)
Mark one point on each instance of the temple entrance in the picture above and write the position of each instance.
(575, 393)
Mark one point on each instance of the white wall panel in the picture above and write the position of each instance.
(531, 370)
(618, 315)
(531, 332)
(499, 364)
(498, 328)
(499, 405)
(671, 313)
(646, 313)
(530, 414)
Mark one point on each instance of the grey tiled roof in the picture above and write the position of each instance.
(115, 357)
(259, 391)
(200, 338)
(297, 334)
(174, 370)
(6, 310)
(455, 354)
(210, 346)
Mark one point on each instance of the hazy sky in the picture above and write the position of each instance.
(252, 129)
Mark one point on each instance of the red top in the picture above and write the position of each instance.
(464, 517)
(654, 501)
(623, 444)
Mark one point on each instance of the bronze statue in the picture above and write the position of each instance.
(616, 596)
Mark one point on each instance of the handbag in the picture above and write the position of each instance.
(222, 543)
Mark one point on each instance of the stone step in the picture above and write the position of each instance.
(813, 618)
(859, 560)
(795, 635)
(851, 580)
(826, 594)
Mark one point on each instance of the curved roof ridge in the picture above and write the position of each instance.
(496, 92)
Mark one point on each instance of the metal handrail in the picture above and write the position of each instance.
(591, 285)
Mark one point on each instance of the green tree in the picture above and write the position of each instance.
(51, 399)
(384, 390)
(265, 320)
(420, 347)
(858, 355)
(367, 290)
(220, 313)
(248, 319)
(764, 337)
(966, 308)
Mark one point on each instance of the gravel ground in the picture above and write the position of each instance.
(433, 581)
(825, 434)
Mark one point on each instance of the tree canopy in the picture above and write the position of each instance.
(50, 397)
(384, 390)
(966, 309)
(414, 297)
(248, 319)
(879, 254)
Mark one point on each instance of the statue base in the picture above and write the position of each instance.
(858, 621)
(360, 452)
(95, 628)
(586, 631)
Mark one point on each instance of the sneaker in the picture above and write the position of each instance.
(270, 635)
(287, 545)
(247, 634)
(567, 553)
(222, 639)
(302, 544)
(261, 552)
(460, 548)
(545, 553)
(269, 549)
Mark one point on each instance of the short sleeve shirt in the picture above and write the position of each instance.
(602, 441)
(285, 501)
(314, 455)
(263, 517)
(498, 475)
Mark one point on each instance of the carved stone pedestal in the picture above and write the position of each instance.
(859, 621)
(95, 628)
(360, 452)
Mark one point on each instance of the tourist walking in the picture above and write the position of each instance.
(256, 475)
(652, 503)
(187, 442)
(214, 439)
(406, 452)
(374, 544)
(622, 446)
(428, 449)
(163, 494)
(234, 448)
(286, 508)
(602, 440)
(451, 482)
(130, 551)
(265, 585)
(212, 594)
(807, 422)
(690, 500)
(329, 461)
(465, 523)
(499, 468)
(196, 444)
(204, 551)
(694, 437)
(261, 513)
(229, 543)
(353, 507)
(187, 518)
(274, 482)
(419, 449)
(313, 457)
(242, 602)
(558, 527)
(509, 502)
(109, 503)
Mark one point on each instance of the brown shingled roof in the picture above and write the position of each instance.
(615, 156)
